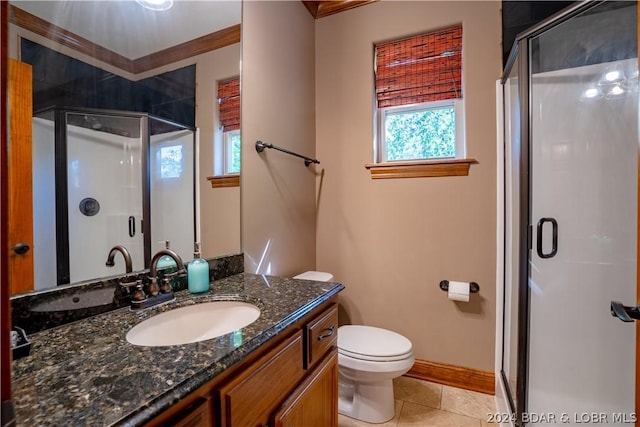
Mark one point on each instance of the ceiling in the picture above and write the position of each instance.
(134, 32)
(127, 28)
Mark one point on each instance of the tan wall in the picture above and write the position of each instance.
(219, 207)
(278, 191)
(220, 220)
(391, 241)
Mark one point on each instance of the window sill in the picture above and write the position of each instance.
(220, 181)
(420, 168)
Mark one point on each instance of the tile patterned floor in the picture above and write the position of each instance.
(424, 404)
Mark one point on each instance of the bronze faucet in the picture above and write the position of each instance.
(125, 254)
(153, 272)
(154, 261)
(149, 295)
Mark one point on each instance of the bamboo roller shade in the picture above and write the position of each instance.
(229, 100)
(423, 68)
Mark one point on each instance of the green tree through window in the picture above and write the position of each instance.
(235, 153)
(422, 134)
(171, 161)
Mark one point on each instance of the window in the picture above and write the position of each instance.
(423, 131)
(419, 97)
(231, 152)
(229, 101)
(171, 162)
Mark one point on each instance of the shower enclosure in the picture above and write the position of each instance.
(106, 178)
(570, 115)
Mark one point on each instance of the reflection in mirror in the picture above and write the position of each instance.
(134, 61)
(99, 172)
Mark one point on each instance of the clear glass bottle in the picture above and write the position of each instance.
(198, 273)
(166, 261)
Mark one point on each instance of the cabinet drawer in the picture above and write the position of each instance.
(251, 397)
(322, 334)
(198, 415)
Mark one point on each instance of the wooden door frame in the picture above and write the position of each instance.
(5, 308)
(20, 176)
(637, 409)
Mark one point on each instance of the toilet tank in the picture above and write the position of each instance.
(319, 276)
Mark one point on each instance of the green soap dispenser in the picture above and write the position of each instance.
(198, 273)
(166, 261)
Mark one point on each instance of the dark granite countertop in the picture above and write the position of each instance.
(86, 373)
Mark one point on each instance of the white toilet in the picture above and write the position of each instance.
(369, 359)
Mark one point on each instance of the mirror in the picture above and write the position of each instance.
(123, 40)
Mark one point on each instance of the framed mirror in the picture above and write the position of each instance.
(157, 55)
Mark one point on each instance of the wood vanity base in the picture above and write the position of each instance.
(290, 381)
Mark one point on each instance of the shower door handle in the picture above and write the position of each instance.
(624, 313)
(132, 226)
(554, 237)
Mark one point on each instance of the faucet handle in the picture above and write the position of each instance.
(135, 290)
(180, 273)
(165, 286)
(170, 275)
(152, 288)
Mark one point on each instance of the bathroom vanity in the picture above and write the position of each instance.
(280, 370)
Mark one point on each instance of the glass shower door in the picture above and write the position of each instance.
(172, 187)
(103, 178)
(512, 225)
(583, 190)
(105, 195)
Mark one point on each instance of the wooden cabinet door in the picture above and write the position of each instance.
(250, 398)
(315, 401)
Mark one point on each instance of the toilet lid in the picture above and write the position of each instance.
(371, 343)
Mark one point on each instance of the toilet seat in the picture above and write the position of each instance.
(372, 344)
(369, 358)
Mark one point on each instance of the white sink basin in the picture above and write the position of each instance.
(193, 323)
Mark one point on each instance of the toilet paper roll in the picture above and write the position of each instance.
(459, 291)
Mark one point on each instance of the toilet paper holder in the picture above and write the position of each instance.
(474, 288)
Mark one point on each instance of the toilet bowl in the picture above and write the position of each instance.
(369, 358)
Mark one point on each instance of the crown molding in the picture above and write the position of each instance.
(320, 9)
